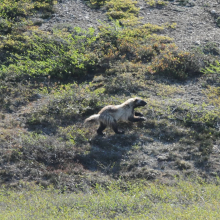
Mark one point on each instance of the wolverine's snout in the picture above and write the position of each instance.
(143, 103)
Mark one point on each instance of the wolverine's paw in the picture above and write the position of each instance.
(120, 132)
(138, 114)
(143, 119)
(101, 134)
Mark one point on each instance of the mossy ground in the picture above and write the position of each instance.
(143, 200)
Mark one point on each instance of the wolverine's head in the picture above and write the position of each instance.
(139, 102)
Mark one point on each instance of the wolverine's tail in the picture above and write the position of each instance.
(92, 118)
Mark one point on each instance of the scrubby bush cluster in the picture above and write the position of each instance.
(154, 3)
(30, 52)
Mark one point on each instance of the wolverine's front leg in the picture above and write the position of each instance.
(136, 119)
(101, 129)
(115, 128)
(138, 114)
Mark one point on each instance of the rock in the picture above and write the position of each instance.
(191, 3)
(162, 158)
(37, 21)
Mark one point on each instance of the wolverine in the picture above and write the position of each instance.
(111, 114)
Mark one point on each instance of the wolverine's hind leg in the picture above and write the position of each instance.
(115, 128)
(101, 128)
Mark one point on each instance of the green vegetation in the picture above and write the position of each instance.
(95, 3)
(154, 3)
(123, 10)
(185, 200)
(213, 68)
(218, 21)
(43, 55)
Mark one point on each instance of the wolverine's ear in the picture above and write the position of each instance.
(136, 99)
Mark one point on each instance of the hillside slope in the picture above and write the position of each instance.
(195, 20)
(54, 75)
